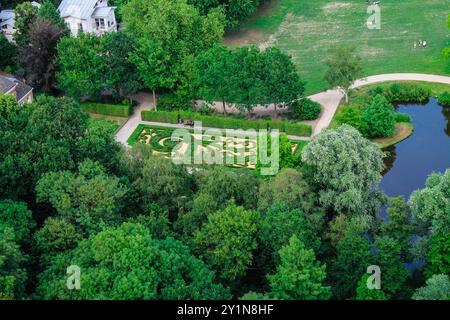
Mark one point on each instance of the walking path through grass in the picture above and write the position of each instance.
(329, 101)
(306, 29)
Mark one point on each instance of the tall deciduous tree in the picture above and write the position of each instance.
(214, 72)
(345, 169)
(25, 14)
(344, 68)
(227, 240)
(437, 288)
(125, 263)
(364, 293)
(8, 52)
(167, 33)
(282, 82)
(39, 55)
(299, 276)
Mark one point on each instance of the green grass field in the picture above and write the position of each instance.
(307, 28)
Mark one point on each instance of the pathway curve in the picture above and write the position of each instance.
(329, 101)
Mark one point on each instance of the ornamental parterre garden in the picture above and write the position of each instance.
(237, 150)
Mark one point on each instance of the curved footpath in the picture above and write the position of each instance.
(329, 101)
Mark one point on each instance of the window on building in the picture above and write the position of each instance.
(100, 23)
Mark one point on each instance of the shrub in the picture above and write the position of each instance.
(402, 92)
(379, 118)
(444, 99)
(304, 109)
(173, 101)
(402, 117)
(350, 115)
(227, 122)
(107, 109)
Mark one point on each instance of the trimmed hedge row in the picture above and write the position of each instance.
(289, 128)
(107, 109)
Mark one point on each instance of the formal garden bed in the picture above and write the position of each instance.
(159, 139)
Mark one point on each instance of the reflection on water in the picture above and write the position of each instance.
(425, 151)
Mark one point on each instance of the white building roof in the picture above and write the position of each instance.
(81, 9)
(7, 14)
(102, 12)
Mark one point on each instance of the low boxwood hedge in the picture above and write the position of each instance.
(289, 128)
(115, 110)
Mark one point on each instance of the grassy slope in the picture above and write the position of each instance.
(307, 28)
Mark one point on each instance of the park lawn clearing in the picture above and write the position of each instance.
(240, 146)
(402, 131)
(119, 121)
(307, 29)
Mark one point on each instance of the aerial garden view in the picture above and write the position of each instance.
(246, 150)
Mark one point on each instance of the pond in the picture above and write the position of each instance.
(427, 150)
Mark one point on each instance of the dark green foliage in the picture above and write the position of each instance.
(173, 101)
(15, 215)
(379, 118)
(226, 242)
(227, 122)
(7, 52)
(444, 99)
(394, 273)
(114, 110)
(403, 92)
(438, 257)
(126, 263)
(236, 11)
(402, 117)
(299, 276)
(353, 258)
(275, 228)
(364, 293)
(304, 109)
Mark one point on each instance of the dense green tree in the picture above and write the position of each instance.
(49, 11)
(214, 72)
(38, 56)
(287, 187)
(16, 216)
(430, 206)
(248, 85)
(299, 276)
(126, 263)
(7, 52)
(90, 200)
(121, 75)
(275, 228)
(399, 226)
(55, 236)
(364, 293)
(162, 182)
(393, 272)
(98, 143)
(344, 68)
(25, 14)
(437, 288)
(282, 82)
(13, 275)
(167, 33)
(353, 258)
(438, 255)
(378, 118)
(251, 295)
(345, 169)
(82, 67)
(227, 241)
(38, 138)
(156, 219)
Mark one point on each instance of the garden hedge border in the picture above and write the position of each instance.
(290, 128)
(107, 109)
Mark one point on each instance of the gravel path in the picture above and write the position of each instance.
(329, 100)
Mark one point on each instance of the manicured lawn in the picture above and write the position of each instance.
(119, 121)
(307, 28)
